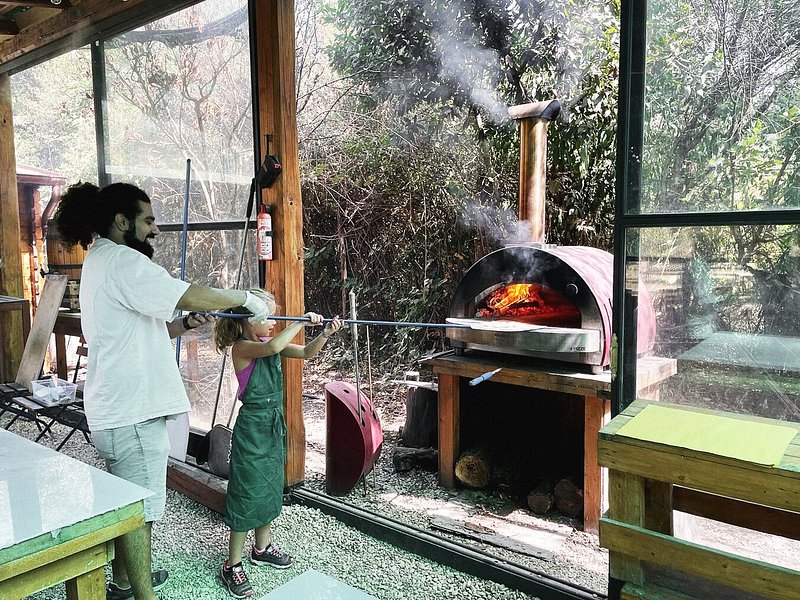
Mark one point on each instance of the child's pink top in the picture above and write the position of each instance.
(243, 376)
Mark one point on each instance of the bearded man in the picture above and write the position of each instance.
(133, 385)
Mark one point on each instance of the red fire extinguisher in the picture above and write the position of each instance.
(264, 233)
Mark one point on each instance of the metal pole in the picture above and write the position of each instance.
(249, 213)
(345, 321)
(354, 331)
(183, 244)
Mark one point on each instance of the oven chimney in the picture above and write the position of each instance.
(533, 119)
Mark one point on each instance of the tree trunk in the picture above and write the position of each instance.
(420, 429)
(474, 468)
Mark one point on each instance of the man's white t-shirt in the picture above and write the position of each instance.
(126, 301)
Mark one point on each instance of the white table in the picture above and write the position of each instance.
(58, 520)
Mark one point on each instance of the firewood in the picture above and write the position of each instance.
(406, 459)
(540, 498)
(474, 468)
(569, 498)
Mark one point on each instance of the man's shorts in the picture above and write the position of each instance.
(139, 454)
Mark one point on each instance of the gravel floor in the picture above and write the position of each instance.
(191, 543)
(411, 497)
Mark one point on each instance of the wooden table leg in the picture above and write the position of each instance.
(89, 586)
(449, 428)
(61, 355)
(597, 412)
(626, 504)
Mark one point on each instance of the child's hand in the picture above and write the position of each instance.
(315, 319)
(333, 326)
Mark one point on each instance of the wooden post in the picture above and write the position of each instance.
(277, 112)
(597, 412)
(449, 428)
(11, 265)
(626, 504)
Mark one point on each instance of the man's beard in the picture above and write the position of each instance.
(142, 246)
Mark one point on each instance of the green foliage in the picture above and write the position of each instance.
(429, 182)
(390, 225)
(723, 130)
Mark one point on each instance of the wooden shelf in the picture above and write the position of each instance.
(594, 388)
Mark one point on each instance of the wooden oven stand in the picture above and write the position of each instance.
(595, 390)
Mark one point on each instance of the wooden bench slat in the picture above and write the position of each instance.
(746, 574)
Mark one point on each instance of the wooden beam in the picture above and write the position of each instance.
(202, 487)
(8, 27)
(78, 25)
(57, 4)
(742, 514)
(11, 265)
(277, 116)
(751, 576)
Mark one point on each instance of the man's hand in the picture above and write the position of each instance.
(194, 320)
(258, 307)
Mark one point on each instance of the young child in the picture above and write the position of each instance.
(258, 445)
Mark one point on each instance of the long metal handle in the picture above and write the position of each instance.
(345, 321)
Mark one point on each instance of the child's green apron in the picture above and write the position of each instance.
(258, 450)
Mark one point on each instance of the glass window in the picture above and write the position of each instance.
(709, 108)
(726, 303)
(177, 89)
(54, 116)
(722, 123)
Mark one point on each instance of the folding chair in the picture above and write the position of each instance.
(16, 397)
(30, 365)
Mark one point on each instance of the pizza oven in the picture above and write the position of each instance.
(550, 302)
(535, 299)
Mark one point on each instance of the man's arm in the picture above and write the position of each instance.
(200, 297)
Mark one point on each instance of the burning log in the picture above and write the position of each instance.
(474, 468)
(569, 498)
(406, 459)
(541, 499)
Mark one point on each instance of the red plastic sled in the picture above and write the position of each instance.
(352, 443)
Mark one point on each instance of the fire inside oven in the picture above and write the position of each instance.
(528, 303)
(550, 302)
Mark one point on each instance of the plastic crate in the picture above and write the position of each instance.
(50, 392)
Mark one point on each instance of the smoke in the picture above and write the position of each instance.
(476, 68)
(500, 226)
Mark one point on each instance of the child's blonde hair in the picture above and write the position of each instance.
(227, 330)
